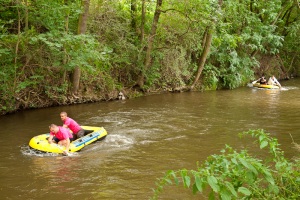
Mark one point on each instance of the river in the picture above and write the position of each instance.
(146, 137)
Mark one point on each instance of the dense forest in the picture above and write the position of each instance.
(63, 52)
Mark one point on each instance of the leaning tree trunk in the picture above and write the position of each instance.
(207, 43)
(147, 61)
(82, 24)
(206, 48)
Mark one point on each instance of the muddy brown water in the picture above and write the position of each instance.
(146, 137)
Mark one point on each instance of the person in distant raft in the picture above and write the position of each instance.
(68, 122)
(262, 80)
(60, 135)
(273, 81)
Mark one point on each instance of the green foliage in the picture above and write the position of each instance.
(233, 69)
(134, 94)
(239, 33)
(290, 27)
(114, 32)
(210, 80)
(56, 93)
(8, 73)
(68, 50)
(174, 68)
(111, 54)
(239, 175)
(51, 15)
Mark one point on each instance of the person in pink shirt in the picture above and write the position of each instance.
(70, 123)
(60, 135)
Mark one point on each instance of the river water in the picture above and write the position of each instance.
(146, 137)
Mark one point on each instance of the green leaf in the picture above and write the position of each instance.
(195, 189)
(261, 137)
(231, 188)
(198, 183)
(168, 181)
(172, 173)
(183, 174)
(187, 181)
(225, 194)
(248, 165)
(263, 144)
(274, 188)
(250, 177)
(269, 178)
(234, 161)
(213, 182)
(244, 162)
(176, 181)
(244, 191)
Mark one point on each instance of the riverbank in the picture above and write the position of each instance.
(33, 99)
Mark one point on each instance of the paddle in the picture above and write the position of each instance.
(253, 82)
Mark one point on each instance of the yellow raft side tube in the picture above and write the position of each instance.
(265, 86)
(41, 143)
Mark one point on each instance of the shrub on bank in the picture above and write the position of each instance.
(239, 175)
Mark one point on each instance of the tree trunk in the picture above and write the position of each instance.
(26, 15)
(206, 50)
(133, 15)
(66, 18)
(147, 61)
(17, 47)
(143, 22)
(207, 38)
(65, 60)
(82, 24)
(281, 66)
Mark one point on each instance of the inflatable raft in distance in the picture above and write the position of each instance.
(41, 143)
(258, 85)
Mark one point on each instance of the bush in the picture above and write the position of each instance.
(238, 175)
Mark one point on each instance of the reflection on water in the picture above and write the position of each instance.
(146, 137)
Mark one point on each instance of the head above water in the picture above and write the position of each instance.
(53, 128)
(63, 116)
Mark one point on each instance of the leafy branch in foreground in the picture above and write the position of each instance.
(238, 175)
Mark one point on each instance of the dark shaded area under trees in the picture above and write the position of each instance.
(64, 52)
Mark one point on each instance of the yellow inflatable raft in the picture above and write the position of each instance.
(41, 143)
(265, 86)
